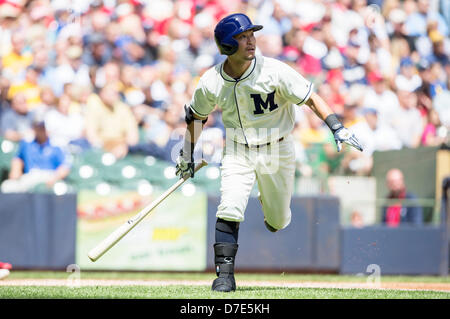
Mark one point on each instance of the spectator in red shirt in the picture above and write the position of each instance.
(396, 213)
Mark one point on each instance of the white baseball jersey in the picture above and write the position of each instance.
(264, 97)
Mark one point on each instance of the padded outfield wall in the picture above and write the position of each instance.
(45, 231)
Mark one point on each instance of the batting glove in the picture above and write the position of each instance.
(343, 135)
(184, 165)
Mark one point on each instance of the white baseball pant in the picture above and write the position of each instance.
(272, 166)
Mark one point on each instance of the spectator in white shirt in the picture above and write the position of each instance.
(408, 79)
(385, 138)
(62, 126)
(381, 98)
(407, 121)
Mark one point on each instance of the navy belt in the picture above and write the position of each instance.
(261, 145)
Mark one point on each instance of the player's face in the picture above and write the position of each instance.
(247, 45)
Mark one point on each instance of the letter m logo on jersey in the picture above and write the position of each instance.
(261, 105)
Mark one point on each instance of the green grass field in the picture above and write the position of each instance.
(137, 285)
(203, 292)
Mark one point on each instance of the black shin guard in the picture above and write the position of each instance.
(224, 254)
(227, 231)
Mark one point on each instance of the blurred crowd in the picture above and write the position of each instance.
(115, 75)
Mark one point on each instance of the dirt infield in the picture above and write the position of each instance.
(444, 287)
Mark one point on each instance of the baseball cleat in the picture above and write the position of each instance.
(224, 284)
(224, 254)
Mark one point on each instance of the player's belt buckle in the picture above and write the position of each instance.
(261, 145)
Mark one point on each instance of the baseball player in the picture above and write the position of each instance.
(258, 97)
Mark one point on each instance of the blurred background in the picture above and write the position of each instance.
(92, 118)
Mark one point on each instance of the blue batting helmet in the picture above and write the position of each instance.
(230, 26)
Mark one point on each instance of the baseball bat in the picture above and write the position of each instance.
(98, 251)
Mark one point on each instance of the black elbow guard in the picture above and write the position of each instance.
(190, 116)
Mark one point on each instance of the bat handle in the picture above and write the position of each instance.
(200, 165)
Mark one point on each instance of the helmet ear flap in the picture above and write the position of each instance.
(230, 49)
(226, 49)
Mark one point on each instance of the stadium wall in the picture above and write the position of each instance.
(406, 250)
(39, 231)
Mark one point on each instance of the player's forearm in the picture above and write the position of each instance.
(193, 131)
(319, 106)
(324, 112)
